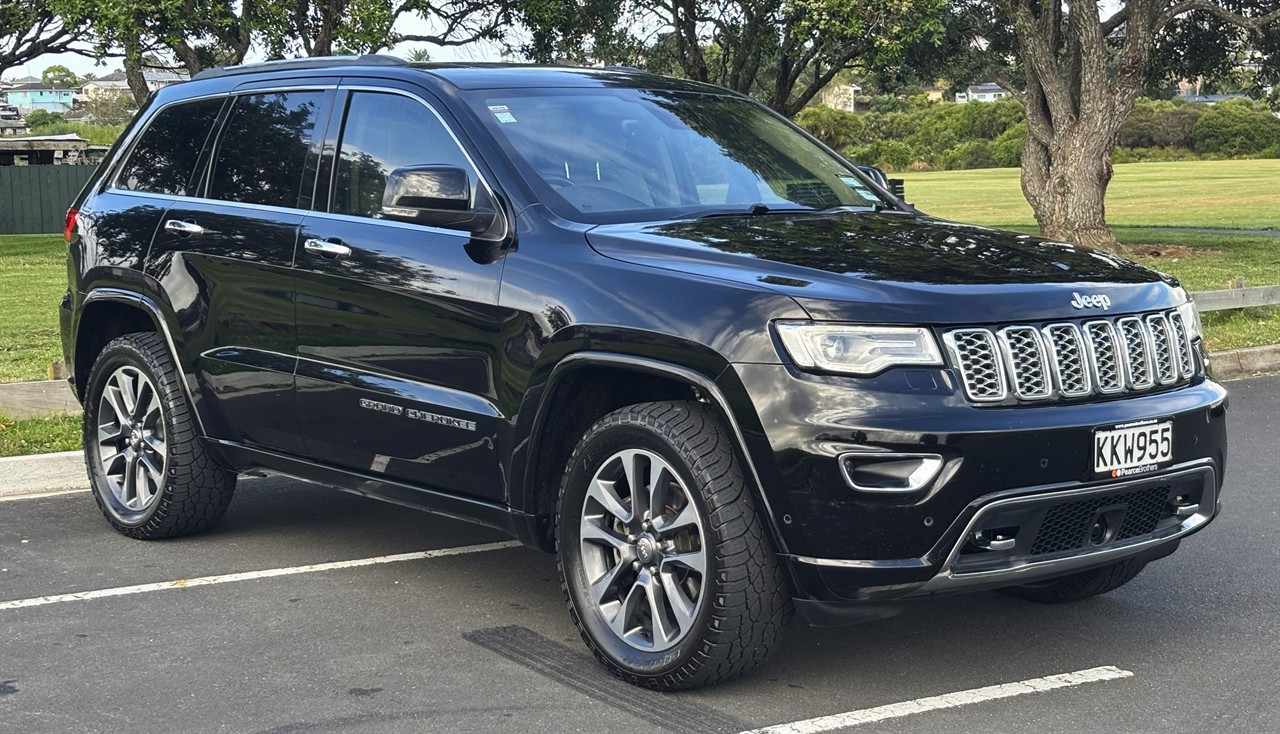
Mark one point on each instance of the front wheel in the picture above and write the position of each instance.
(664, 563)
(150, 475)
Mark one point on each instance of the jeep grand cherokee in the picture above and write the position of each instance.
(643, 323)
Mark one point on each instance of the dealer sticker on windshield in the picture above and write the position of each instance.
(1131, 449)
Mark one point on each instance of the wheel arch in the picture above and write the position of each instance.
(107, 313)
(552, 437)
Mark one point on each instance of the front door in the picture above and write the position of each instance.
(398, 326)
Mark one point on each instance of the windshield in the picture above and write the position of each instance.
(632, 155)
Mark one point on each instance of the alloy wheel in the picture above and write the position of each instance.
(132, 448)
(643, 550)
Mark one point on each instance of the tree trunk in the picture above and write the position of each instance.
(1066, 184)
(133, 69)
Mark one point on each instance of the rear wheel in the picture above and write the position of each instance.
(1078, 586)
(150, 475)
(664, 562)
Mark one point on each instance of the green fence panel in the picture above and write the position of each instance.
(34, 199)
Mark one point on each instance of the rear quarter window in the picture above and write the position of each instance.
(165, 157)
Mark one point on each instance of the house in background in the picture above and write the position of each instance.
(986, 92)
(39, 96)
(115, 83)
(841, 96)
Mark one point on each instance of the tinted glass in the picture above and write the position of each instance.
(263, 148)
(616, 155)
(384, 132)
(165, 157)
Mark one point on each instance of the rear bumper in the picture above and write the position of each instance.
(836, 591)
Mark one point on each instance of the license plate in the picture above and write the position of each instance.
(1132, 449)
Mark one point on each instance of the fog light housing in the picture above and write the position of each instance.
(889, 473)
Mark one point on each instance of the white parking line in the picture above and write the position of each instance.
(945, 701)
(250, 575)
(38, 495)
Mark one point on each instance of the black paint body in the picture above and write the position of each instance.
(480, 345)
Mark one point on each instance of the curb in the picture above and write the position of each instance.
(39, 473)
(1236, 364)
(22, 400)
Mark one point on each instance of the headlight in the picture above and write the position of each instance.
(857, 350)
(1191, 317)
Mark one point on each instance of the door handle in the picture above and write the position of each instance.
(180, 227)
(326, 248)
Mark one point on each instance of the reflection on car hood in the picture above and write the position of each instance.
(892, 267)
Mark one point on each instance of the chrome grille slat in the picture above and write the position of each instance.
(1027, 361)
(1067, 355)
(981, 367)
(1182, 342)
(1071, 359)
(1136, 352)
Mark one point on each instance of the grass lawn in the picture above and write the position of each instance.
(33, 277)
(39, 435)
(1217, 194)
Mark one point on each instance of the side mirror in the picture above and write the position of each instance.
(875, 174)
(437, 196)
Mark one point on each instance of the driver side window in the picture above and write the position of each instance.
(382, 132)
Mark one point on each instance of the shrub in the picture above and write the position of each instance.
(1235, 128)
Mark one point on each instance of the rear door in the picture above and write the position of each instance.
(229, 254)
(399, 330)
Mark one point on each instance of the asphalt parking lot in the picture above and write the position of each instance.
(477, 639)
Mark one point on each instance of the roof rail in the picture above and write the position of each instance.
(313, 62)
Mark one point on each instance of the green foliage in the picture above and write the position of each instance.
(40, 435)
(41, 118)
(1236, 128)
(59, 75)
(95, 134)
(915, 134)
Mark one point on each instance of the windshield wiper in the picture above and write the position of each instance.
(757, 210)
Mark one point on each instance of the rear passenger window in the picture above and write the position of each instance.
(384, 132)
(165, 157)
(262, 150)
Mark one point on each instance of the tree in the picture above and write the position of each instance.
(781, 51)
(42, 118)
(418, 56)
(29, 29)
(60, 76)
(324, 27)
(1078, 73)
(110, 107)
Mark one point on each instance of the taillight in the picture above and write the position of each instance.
(70, 226)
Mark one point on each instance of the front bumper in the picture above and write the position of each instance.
(873, 550)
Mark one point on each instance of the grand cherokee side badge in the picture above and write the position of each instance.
(1087, 301)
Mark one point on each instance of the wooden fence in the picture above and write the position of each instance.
(34, 199)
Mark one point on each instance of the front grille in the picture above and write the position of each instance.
(1066, 527)
(1071, 359)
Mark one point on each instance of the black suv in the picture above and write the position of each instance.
(644, 323)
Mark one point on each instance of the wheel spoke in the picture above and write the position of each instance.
(141, 482)
(109, 433)
(605, 493)
(156, 473)
(661, 626)
(130, 478)
(662, 477)
(146, 400)
(593, 533)
(695, 561)
(631, 465)
(128, 394)
(685, 519)
(114, 399)
(626, 611)
(606, 583)
(682, 607)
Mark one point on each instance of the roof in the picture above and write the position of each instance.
(40, 87)
(987, 88)
(470, 75)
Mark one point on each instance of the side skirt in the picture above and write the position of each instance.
(240, 458)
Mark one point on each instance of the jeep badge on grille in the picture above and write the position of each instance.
(1086, 301)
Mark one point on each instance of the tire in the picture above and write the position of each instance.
(153, 479)
(714, 624)
(1078, 586)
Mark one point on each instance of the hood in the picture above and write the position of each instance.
(894, 268)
